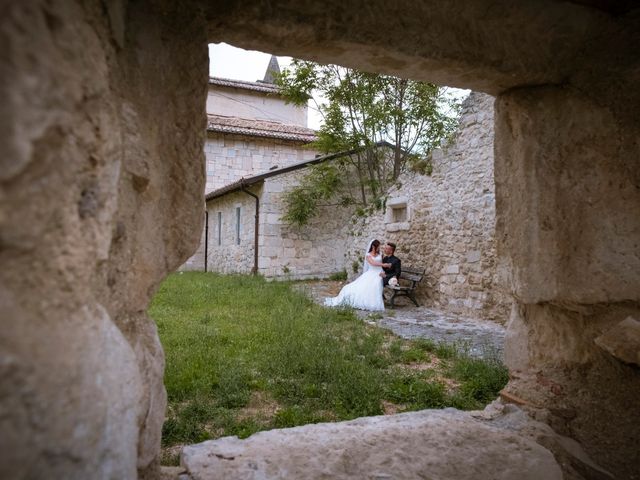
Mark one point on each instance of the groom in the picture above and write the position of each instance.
(389, 257)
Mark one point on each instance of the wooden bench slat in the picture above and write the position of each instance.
(411, 276)
(412, 270)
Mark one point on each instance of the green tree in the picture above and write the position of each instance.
(361, 111)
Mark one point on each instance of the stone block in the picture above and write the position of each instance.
(272, 218)
(452, 269)
(379, 447)
(622, 341)
(458, 248)
(474, 256)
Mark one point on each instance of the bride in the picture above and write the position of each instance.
(365, 292)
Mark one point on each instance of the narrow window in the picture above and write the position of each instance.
(399, 213)
(219, 228)
(237, 225)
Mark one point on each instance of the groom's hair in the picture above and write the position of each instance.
(392, 245)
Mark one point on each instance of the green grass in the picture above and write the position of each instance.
(339, 276)
(245, 355)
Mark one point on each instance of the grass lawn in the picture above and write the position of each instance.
(244, 355)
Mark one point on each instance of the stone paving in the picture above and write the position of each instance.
(480, 338)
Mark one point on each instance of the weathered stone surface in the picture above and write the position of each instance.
(567, 227)
(555, 364)
(486, 46)
(567, 198)
(443, 444)
(622, 341)
(101, 134)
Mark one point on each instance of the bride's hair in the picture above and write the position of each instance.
(374, 246)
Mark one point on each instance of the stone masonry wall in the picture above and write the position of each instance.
(450, 221)
(283, 251)
(231, 157)
(288, 251)
(229, 256)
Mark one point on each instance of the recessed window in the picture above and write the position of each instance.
(399, 213)
(219, 228)
(237, 225)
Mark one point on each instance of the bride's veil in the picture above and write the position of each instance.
(365, 266)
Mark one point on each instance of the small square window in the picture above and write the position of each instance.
(399, 214)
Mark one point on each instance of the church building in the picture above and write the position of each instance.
(256, 148)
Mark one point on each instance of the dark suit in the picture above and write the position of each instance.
(394, 271)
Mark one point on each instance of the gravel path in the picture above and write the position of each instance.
(481, 338)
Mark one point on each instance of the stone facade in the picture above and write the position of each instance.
(445, 222)
(231, 243)
(251, 130)
(228, 159)
(305, 252)
(284, 251)
(231, 157)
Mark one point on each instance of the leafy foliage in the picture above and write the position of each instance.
(319, 184)
(362, 110)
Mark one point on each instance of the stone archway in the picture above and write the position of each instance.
(102, 176)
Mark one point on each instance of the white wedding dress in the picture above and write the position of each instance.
(364, 293)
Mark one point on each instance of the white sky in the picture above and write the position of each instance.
(230, 62)
(227, 61)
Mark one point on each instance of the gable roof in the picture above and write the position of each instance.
(246, 182)
(259, 128)
(255, 86)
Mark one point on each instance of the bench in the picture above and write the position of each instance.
(407, 283)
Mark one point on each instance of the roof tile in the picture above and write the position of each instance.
(259, 128)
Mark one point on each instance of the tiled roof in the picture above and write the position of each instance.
(246, 182)
(255, 86)
(259, 128)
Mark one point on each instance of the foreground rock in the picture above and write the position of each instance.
(101, 181)
(442, 444)
(622, 341)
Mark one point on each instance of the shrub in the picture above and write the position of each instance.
(339, 276)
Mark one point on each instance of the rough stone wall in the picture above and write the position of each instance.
(231, 157)
(450, 229)
(101, 179)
